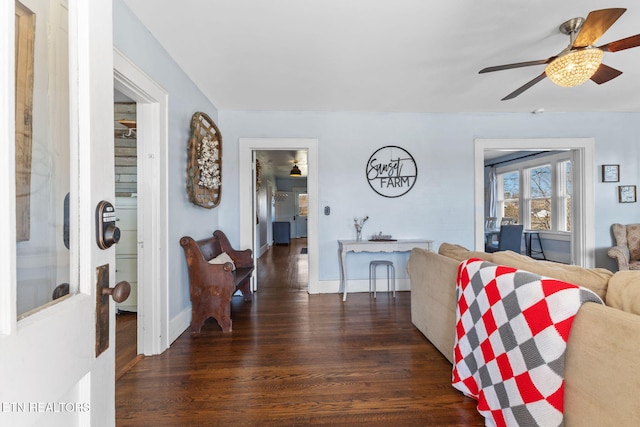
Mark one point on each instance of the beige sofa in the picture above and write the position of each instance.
(602, 365)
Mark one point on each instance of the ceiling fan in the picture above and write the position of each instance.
(581, 60)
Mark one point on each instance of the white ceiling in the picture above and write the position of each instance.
(385, 55)
(278, 163)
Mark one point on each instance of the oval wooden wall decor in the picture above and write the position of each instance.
(391, 171)
(204, 164)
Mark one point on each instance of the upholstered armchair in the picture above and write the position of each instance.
(627, 249)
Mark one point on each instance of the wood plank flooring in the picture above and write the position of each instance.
(126, 342)
(295, 359)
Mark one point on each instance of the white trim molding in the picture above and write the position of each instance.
(153, 288)
(178, 324)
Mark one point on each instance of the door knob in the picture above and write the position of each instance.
(119, 292)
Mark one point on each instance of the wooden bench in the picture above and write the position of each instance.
(213, 285)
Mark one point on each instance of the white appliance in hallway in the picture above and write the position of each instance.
(126, 186)
(127, 250)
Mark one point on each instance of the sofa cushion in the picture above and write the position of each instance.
(223, 258)
(460, 253)
(595, 279)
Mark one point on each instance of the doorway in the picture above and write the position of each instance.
(126, 205)
(151, 204)
(248, 231)
(583, 217)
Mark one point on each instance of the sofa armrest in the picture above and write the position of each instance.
(621, 255)
(624, 291)
(602, 368)
(433, 298)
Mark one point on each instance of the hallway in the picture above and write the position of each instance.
(298, 359)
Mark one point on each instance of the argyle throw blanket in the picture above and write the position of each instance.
(512, 328)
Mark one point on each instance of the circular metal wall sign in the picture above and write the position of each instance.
(391, 171)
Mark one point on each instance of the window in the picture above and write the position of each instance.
(539, 197)
(564, 195)
(303, 204)
(509, 195)
(537, 193)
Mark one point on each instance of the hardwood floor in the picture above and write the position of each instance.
(298, 359)
(126, 342)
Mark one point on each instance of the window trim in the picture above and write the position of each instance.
(524, 198)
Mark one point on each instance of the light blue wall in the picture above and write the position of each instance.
(439, 207)
(135, 42)
(441, 204)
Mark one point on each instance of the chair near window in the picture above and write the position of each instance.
(627, 249)
(490, 223)
(509, 239)
(490, 230)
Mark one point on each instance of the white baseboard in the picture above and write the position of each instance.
(333, 286)
(263, 249)
(179, 324)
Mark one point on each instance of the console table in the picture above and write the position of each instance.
(403, 245)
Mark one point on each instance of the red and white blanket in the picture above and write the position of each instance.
(512, 328)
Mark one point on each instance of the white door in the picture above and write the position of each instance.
(57, 73)
(301, 211)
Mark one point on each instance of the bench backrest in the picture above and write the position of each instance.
(209, 247)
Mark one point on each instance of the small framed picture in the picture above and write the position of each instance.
(627, 193)
(610, 173)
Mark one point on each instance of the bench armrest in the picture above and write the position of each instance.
(241, 258)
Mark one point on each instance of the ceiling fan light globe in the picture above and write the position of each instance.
(574, 67)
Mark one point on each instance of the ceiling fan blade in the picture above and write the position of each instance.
(516, 65)
(525, 87)
(596, 24)
(622, 44)
(604, 73)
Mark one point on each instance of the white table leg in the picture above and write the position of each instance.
(342, 255)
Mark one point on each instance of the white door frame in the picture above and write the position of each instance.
(151, 100)
(246, 188)
(583, 224)
(8, 309)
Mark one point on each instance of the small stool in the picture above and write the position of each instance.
(391, 278)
